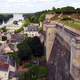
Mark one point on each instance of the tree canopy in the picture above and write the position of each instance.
(4, 29)
(68, 10)
(4, 38)
(26, 22)
(24, 52)
(64, 10)
(42, 17)
(5, 17)
(78, 10)
(30, 47)
(37, 47)
(39, 16)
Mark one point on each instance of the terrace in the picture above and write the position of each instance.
(75, 25)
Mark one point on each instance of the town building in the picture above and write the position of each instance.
(32, 30)
(7, 68)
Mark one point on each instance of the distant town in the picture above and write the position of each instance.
(40, 46)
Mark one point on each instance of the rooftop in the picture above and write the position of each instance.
(32, 28)
(4, 67)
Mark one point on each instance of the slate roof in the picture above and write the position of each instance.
(32, 28)
(3, 58)
(4, 67)
(12, 74)
(12, 61)
(17, 38)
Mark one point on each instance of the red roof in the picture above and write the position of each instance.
(4, 67)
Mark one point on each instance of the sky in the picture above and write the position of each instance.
(31, 6)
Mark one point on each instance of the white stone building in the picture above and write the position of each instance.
(10, 26)
(32, 30)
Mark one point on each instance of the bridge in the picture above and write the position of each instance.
(62, 52)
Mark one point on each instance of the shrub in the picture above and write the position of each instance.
(66, 18)
(19, 30)
(4, 38)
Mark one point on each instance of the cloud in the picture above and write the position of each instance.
(15, 1)
(19, 1)
(27, 6)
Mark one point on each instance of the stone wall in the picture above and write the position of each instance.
(62, 52)
(75, 59)
(59, 62)
(50, 37)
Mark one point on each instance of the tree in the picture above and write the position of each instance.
(19, 30)
(78, 10)
(33, 19)
(30, 47)
(4, 38)
(5, 17)
(15, 22)
(37, 47)
(26, 22)
(24, 51)
(68, 10)
(1, 19)
(54, 9)
(58, 10)
(42, 17)
(67, 19)
(35, 73)
(4, 29)
(41, 30)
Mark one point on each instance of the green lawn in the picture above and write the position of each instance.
(75, 25)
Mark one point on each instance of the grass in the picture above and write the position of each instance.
(75, 25)
(36, 72)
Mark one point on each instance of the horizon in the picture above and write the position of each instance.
(26, 6)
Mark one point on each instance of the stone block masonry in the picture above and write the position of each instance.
(62, 53)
